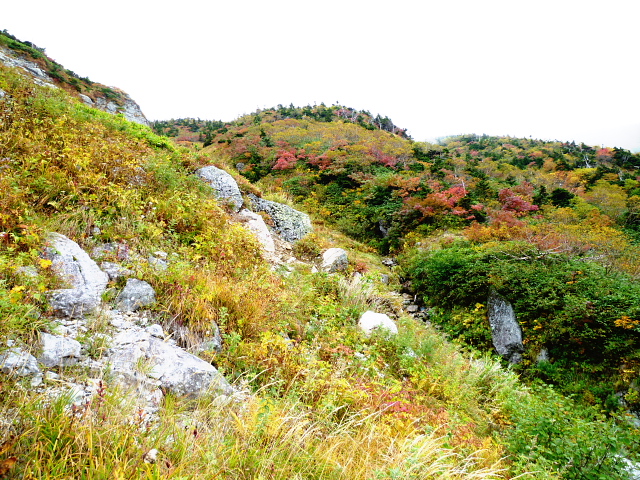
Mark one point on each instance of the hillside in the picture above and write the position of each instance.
(285, 378)
(465, 216)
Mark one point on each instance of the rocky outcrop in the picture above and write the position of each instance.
(124, 105)
(12, 59)
(371, 321)
(334, 259)
(75, 267)
(139, 357)
(289, 223)
(505, 331)
(127, 107)
(136, 294)
(223, 184)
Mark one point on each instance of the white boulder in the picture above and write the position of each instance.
(372, 321)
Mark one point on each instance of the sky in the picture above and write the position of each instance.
(550, 69)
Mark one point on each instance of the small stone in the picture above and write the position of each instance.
(334, 259)
(115, 271)
(151, 456)
(27, 272)
(158, 263)
(413, 308)
(155, 331)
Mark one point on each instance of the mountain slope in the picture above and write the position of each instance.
(319, 398)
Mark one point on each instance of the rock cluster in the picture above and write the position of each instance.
(283, 226)
(126, 349)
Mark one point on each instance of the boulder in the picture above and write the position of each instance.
(86, 99)
(136, 294)
(288, 222)
(223, 184)
(16, 361)
(72, 265)
(138, 357)
(505, 331)
(334, 259)
(58, 351)
(372, 321)
(255, 223)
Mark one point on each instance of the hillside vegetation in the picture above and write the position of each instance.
(321, 399)
(552, 226)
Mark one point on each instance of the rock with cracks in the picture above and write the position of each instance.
(288, 222)
(16, 361)
(59, 351)
(141, 359)
(505, 331)
(74, 266)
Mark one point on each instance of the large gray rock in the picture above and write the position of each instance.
(223, 184)
(288, 222)
(138, 356)
(505, 331)
(136, 294)
(16, 361)
(255, 223)
(72, 265)
(371, 321)
(58, 351)
(334, 259)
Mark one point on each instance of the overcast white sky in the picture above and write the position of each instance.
(551, 69)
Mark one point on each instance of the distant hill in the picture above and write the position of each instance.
(33, 61)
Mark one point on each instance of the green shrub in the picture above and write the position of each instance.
(585, 316)
(555, 434)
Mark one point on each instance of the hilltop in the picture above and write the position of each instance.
(302, 388)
